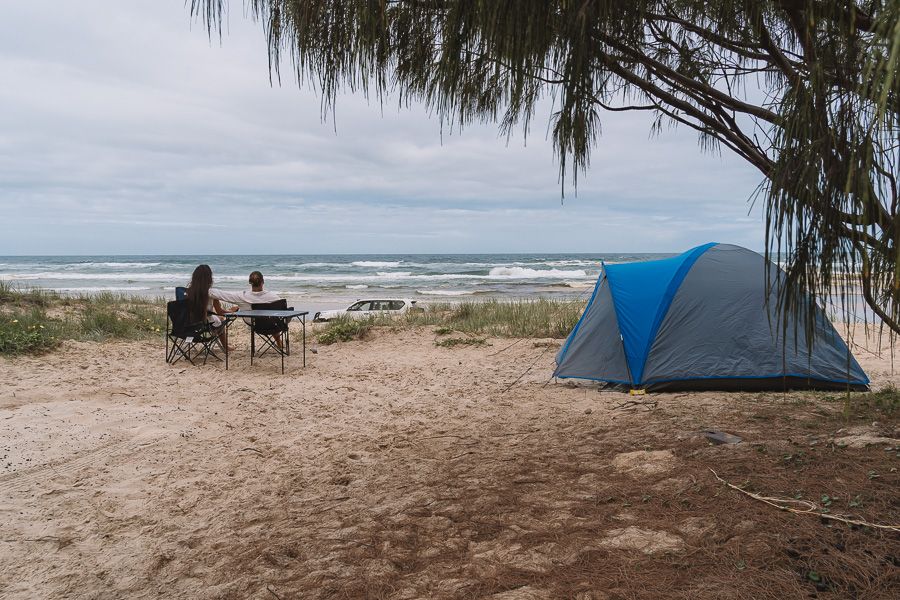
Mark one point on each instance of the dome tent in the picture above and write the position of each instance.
(701, 321)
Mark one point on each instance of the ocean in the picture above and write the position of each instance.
(326, 281)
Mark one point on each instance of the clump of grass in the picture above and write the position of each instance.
(546, 344)
(28, 332)
(868, 406)
(344, 330)
(102, 321)
(886, 400)
(522, 318)
(466, 341)
(443, 330)
(10, 295)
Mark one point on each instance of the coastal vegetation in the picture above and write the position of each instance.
(807, 92)
(540, 318)
(34, 321)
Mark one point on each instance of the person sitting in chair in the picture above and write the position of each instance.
(245, 299)
(201, 304)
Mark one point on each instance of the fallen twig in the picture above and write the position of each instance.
(810, 508)
(271, 591)
(337, 502)
(251, 450)
(437, 437)
(460, 455)
(632, 404)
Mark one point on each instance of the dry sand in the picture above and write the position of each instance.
(391, 468)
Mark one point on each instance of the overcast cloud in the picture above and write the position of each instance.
(124, 130)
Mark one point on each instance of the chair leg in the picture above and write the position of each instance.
(181, 350)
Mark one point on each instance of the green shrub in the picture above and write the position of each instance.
(344, 330)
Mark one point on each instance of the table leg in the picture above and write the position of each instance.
(252, 340)
(304, 341)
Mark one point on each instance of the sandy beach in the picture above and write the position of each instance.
(392, 468)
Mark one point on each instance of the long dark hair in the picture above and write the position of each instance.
(198, 292)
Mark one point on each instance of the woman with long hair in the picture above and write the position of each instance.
(200, 306)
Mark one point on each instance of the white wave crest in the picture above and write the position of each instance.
(376, 263)
(113, 265)
(572, 263)
(579, 284)
(308, 264)
(99, 276)
(445, 292)
(524, 273)
(102, 288)
(361, 286)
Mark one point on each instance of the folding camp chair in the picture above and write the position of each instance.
(267, 328)
(184, 338)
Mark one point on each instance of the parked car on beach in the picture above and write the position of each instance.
(362, 309)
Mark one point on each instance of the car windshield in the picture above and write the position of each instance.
(359, 306)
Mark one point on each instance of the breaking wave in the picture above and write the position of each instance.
(376, 263)
(525, 273)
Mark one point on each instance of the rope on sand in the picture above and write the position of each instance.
(524, 373)
(809, 508)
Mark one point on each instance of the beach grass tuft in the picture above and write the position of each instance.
(344, 330)
(461, 341)
(102, 321)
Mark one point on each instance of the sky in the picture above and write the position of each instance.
(125, 130)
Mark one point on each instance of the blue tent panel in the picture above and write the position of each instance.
(642, 293)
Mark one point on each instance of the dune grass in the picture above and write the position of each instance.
(33, 321)
(539, 318)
